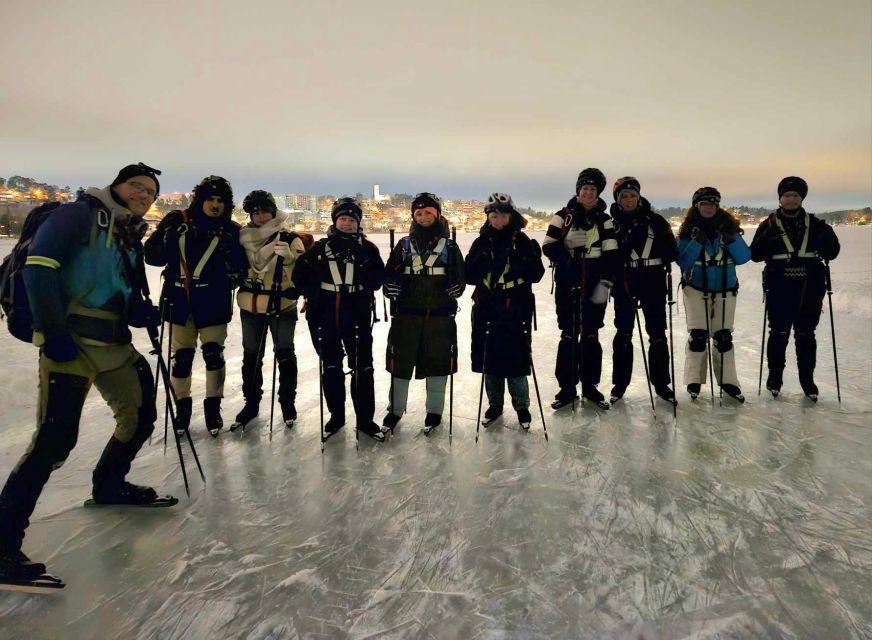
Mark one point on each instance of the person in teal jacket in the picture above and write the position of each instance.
(710, 246)
(83, 280)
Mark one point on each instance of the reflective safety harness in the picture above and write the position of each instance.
(716, 258)
(192, 279)
(585, 246)
(421, 266)
(339, 285)
(788, 245)
(644, 260)
(502, 283)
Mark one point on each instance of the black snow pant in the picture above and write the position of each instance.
(281, 328)
(650, 290)
(332, 343)
(797, 304)
(579, 321)
(127, 386)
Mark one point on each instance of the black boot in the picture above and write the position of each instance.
(247, 414)
(665, 392)
(126, 493)
(287, 365)
(693, 389)
(14, 565)
(524, 418)
(390, 422)
(431, 421)
(289, 413)
(734, 392)
(617, 393)
(371, 429)
(593, 394)
(563, 399)
(212, 411)
(334, 424)
(184, 408)
(491, 415)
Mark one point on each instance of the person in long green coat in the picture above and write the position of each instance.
(424, 279)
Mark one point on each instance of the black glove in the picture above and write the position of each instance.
(143, 314)
(393, 290)
(60, 348)
(455, 291)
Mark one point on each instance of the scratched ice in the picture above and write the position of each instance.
(734, 522)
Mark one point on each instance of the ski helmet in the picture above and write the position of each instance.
(346, 206)
(706, 194)
(501, 202)
(793, 183)
(259, 201)
(593, 177)
(427, 199)
(627, 183)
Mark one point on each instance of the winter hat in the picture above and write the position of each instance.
(426, 199)
(503, 203)
(346, 206)
(627, 183)
(134, 170)
(215, 186)
(793, 183)
(259, 201)
(591, 176)
(706, 194)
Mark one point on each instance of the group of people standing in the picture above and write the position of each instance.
(86, 283)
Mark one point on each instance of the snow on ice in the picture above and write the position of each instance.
(746, 521)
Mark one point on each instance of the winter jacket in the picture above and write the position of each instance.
(82, 273)
(199, 280)
(259, 245)
(338, 276)
(711, 267)
(794, 248)
(581, 242)
(503, 265)
(425, 264)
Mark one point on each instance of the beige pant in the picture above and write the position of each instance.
(721, 314)
(109, 368)
(185, 337)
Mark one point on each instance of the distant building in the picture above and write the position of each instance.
(377, 195)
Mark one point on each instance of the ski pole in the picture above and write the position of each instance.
(159, 350)
(671, 302)
(170, 356)
(762, 342)
(451, 393)
(644, 355)
(356, 381)
(481, 386)
(536, 384)
(723, 319)
(272, 314)
(321, 387)
(708, 329)
(833, 329)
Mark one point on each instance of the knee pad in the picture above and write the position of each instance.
(147, 409)
(698, 339)
(723, 340)
(60, 426)
(622, 341)
(213, 356)
(285, 355)
(183, 361)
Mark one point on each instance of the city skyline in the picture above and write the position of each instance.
(458, 99)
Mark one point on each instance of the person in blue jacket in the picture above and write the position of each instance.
(203, 262)
(710, 245)
(83, 279)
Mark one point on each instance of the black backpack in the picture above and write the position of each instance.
(13, 294)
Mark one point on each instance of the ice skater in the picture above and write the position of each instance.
(710, 246)
(796, 247)
(503, 264)
(424, 278)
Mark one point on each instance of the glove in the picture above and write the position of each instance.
(392, 290)
(455, 290)
(60, 348)
(699, 235)
(143, 315)
(601, 292)
(283, 250)
(728, 235)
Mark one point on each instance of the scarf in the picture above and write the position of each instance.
(259, 243)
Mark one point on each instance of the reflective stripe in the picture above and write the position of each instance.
(338, 283)
(434, 271)
(802, 253)
(425, 266)
(342, 288)
(610, 244)
(596, 252)
(642, 262)
(202, 263)
(646, 250)
(509, 285)
(42, 261)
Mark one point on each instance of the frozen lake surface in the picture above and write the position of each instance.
(749, 521)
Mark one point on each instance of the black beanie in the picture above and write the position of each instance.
(346, 206)
(134, 170)
(793, 183)
(427, 199)
(593, 177)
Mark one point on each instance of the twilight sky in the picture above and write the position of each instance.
(461, 98)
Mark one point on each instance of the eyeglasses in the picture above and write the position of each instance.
(138, 186)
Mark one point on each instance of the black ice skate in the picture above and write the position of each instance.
(372, 430)
(665, 392)
(734, 392)
(129, 495)
(432, 421)
(590, 392)
(212, 411)
(617, 393)
(390, 421)
(693, 389)
(525, 418)
(19, 573)
(289, 414)
(563, 399)
(491, 415)
(247, 414)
